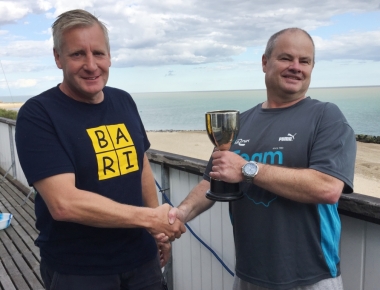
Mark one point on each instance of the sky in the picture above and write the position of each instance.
(193, 45)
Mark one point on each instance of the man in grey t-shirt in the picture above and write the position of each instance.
(301, 154)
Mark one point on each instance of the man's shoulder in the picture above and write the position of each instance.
(112, 90)
(118, 97)
(323, 106)
(316, 102)
(250, 111)
(47, 93)
(40, 99)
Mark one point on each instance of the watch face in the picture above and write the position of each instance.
(250, 168)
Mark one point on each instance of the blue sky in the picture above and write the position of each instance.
(193, 45)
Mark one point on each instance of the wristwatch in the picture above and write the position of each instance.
(250, 170)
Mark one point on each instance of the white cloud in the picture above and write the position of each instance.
(27, 48)
(352, 45)
(24, 83)
(192, 32)
(18, 67)
(20, 83)
(197, 52)
(11, 11)
(152, 32)
(44, 5)
(149, 23)
(52, 78)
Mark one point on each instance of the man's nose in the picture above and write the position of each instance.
(90, 63)
(295, 66)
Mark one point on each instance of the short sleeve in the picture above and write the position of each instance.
(334, 148)
(40, 153)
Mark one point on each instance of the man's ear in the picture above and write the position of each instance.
(264, 62)
(56, 58)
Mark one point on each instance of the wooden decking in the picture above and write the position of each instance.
(19, 257)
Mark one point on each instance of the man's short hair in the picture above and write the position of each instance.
(72, 19)
(273, 39)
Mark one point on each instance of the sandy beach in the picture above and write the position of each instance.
(10, 106)
(197, 145)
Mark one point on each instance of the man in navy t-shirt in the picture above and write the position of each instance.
(82, 147)
(293, 157)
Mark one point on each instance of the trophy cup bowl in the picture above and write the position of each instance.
(222, 128)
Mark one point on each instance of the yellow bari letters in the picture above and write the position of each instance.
(115, 152)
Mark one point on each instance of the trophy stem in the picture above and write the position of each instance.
(223, 191)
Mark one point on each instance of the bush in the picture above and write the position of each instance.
(368, 138)
(9, 114)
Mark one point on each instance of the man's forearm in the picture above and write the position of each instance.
(302, 185)
(196, 202)
(67, 203)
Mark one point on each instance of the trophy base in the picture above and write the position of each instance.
(223, 191)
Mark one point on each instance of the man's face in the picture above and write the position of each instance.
(85, 60)
(288, 70)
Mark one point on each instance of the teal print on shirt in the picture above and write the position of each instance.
(263, 157)
(269, 157)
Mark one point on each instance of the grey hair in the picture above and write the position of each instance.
(72, 19)
(273, 39)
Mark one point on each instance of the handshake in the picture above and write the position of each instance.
(167, 223)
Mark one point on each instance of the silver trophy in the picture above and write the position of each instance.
(222, 128)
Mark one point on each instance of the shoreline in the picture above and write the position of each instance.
(11, 106)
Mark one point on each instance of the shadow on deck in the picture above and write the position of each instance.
(19, 257)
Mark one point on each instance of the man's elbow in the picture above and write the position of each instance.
(332, 198)
(60, 213)
(332, 193)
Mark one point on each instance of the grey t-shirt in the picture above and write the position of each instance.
(281, 243)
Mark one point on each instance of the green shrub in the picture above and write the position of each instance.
(9, 114)
(368, 138)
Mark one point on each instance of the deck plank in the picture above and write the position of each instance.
(19, 257)
(18, 232)
(5, 281)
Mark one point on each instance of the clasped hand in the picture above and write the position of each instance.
(163, 231)
(226, 166)
(160, 224)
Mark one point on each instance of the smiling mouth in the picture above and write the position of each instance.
(293, 78)
(90, 78)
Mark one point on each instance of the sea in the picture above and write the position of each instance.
(186, 110)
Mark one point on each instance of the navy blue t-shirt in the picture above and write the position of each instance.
(103, 145)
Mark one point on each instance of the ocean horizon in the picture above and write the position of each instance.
(186, 110)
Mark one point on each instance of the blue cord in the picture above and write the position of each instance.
(194, 234)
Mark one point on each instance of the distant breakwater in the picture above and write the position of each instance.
(368, 138)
